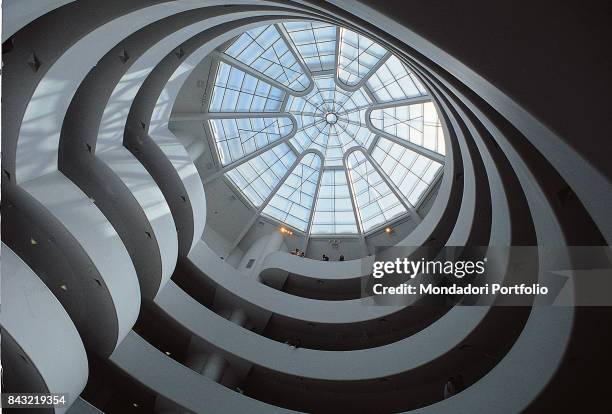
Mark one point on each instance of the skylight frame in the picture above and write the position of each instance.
(233, 141)
(357, 56)
(258, 177)
(407, 169)
(304, 180)
(361, 135)
(236, 90)
(371, 192)
(334, 206)
(393, 81)
(351, 128)
(316, 43)
(417, 123)
(252, 47)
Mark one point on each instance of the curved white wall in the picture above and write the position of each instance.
(31, 312)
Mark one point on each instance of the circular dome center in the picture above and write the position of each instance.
(331, 118)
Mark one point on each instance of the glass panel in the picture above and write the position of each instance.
(237, 91)
(334, 211)
(257, 177)
(393, 81)
(357, 56)
(293, 201)
(238, 137)
(412, 173)
(417, 123)
(376, 203)
(265, 50)
(315, 42)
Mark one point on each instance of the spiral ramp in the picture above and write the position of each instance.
(111, 292)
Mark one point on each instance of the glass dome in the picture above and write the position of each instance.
(322, 129)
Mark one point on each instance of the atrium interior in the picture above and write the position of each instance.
(194, 194)
(313, 127)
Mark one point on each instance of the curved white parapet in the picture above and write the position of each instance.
(539, 350)
(43, 331)
(536, 354)
(146, 192)
(23, 12)
(239, 344)
(180, 384)
(288, 272)
(522, 374)
(316, 269)
(501, 224)
(97, 237)
(467, 216)
(39, 133)
(36, 159)
(239, 288)
(38, 141)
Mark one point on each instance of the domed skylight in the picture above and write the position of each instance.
(323, 129)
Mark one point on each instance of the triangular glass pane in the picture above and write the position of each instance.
(412, 173)
(257, 177)
(334, 211)
(265, 50)
(236, 138)
(357, 56)
(315, 42)
(393, 81)
(294, 199)
(376, 202)
(417, 123)
(237, 91)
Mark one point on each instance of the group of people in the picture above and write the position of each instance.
(325, 258)
(297, 252)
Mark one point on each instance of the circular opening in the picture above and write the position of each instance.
(331, 118)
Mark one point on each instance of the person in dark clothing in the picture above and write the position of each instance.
(453, 386)
(449, 388)
(325, 258)
(341, 259)
(295, 343)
